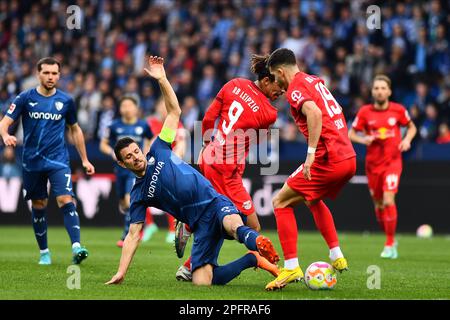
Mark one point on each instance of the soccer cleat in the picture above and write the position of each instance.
(340, 264)
(264, 264)
(170, 238)
(266, 249)
(79, 254)
(119, 243)
(183, 274)
(389, 252)
(149, 231)
(286, 276)
(45, 258)
(182, 236)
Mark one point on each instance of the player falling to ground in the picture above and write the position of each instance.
(129, 125)
(241, 107)
(45, 113)
(381, 123)
(166, 182)
(156, 122)
(329, 164)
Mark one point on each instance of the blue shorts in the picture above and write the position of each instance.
(209, 233)
(35, 183)
(124, 184)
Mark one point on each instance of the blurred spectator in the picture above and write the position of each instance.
(206, 43)
(444, 134)
(190, 113)
(8, 166)
(428, 127)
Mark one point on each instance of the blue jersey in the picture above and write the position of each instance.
(44, 122)
(170, 184)
(137, 131)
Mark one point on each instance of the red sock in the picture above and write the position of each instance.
(148, 217)
(287, 231)
(325, 224)
(187, 263)
(171, 222)
(380, 214)
(390, 223)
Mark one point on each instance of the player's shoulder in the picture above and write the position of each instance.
(25, 94)
(115, 123)
(365, 108)
(396, 106)
(63, 95)
(141, 123)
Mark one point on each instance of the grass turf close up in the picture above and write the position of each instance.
(421, 272)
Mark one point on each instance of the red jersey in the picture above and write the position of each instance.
(384, 125)
(156, 125)
(334, 144)
(239, 106)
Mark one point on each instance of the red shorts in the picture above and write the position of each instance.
(227, 180)
(327, 179)
(381, 180)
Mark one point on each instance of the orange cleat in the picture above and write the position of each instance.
(266, 249)
(119, 243)
(264, 264)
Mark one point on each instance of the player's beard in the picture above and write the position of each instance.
(380, 102)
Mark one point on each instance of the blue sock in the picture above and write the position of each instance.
(224, 274)
(71, 221)
(247, 236)
(127, 220)
(39, 220)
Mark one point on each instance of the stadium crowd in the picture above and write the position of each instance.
(207, 43)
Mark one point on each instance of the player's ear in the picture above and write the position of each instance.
(121, 163)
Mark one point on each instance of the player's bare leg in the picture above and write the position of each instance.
(253, 222)
(72, 224)
(39, 221)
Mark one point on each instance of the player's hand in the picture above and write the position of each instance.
(10, 140)
(156, 67)
(307, 165)
(116, 279)
(405, 145)
(88, 167)
(368, 140)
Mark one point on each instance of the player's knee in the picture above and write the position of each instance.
(388, 199)
(63, 200)
(203, 276)
(231, 222)
(39, 204)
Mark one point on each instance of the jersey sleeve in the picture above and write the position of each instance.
(213, 111)
(137, 212)
(159, 144)
(299, 96)
(71, 115)
(359, 124)
(15, 109)
(404, 117)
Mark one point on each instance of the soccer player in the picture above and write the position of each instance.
(380, 123)
(329, 164)
(45, 112)
(129, 125)
(166, 182)
(156, 122)
(241, 107)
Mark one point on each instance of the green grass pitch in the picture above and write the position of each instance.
(421, 272)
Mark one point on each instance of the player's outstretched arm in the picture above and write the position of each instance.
(129, 248)
(78, 138)
(156, 71)
(5, 123)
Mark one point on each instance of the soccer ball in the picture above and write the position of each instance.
(320, 276)
(425, 231)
